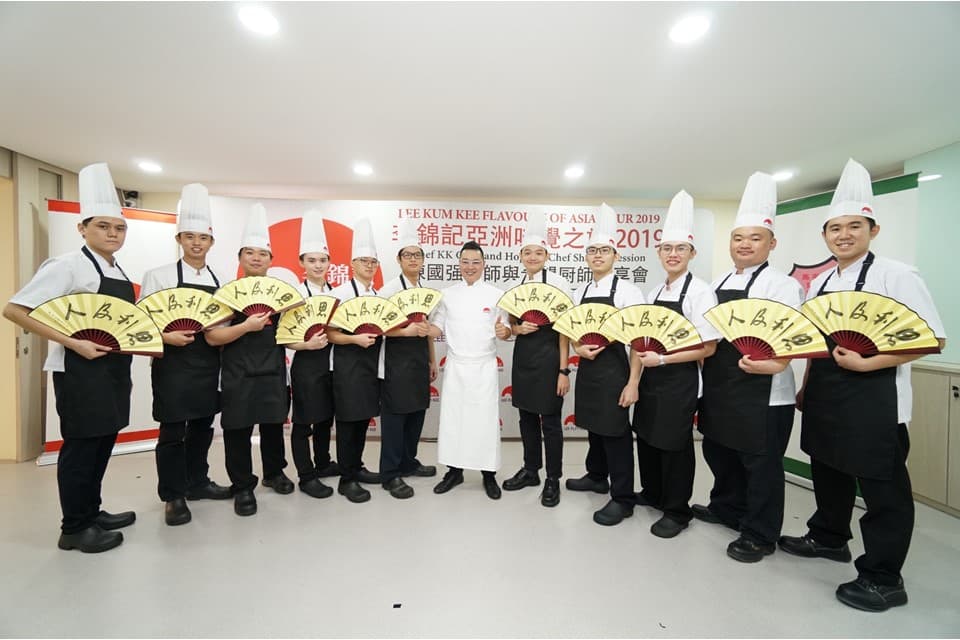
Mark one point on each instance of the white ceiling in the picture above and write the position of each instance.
(479, 99)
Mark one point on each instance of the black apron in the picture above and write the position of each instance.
(536, 365)
(356, 386)
(312, 383)
(406, 372)
(734, 408)
(254, 378)
(600, 382)
(186, 380)
(663, 416)
(94, 398)
(850, 419)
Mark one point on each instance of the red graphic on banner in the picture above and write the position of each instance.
(443, 361)
(506, 395)
(573, 362)
(499, 363)
(805, 274)
(434, 394)
(570, 423)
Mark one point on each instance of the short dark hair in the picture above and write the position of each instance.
(86, 221)
(471, 245)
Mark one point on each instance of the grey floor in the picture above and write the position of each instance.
(456, 565)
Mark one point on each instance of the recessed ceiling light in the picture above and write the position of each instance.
(929, 177)
(689, 29)
(781, 176)
(149, 167)
(362, 169)
(259, 20)
(574, 171)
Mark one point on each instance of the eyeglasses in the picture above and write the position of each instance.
(368, 262)
(603, 251)
(409, 255)
(680, 249)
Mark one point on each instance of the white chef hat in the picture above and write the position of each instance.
(363, 244)
(758, 205)
(678, 227)
(605, 228)
(407, 233)
(256, 233)
(193, 210)
(535, 232)
(98, 195)
(313, 237)
(854, 194)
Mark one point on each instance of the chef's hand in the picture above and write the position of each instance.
(89, 350)
(364, 340)
(851, 360)
(421, 329)
(762, 367)
(318, 341)
(650, 359)
(588, 351)
(502, 330)
(563, 384)
(433, 371)
(524, 328)
(177, 338)
(256, 322)
(629, 395)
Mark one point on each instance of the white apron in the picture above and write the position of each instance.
(469, 436)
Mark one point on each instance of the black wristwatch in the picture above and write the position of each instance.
(566, 371)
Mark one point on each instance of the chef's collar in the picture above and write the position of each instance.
(678, 282)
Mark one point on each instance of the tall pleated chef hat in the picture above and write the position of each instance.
(535, 232)
(678, 227)
(605, 228)
(193, 210)
(854, 194)
(407, 233)
(313, 237)
(363, 244)
(256, 233)
(98, 195)
(758, 205)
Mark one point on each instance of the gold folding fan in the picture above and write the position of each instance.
(535, 302)
(416, 303)
(764, 329)
(368, 314)
(104, 320)
(869, 323)
(184, 309)
(259, 294)
(583, 323)
(302, 323)
(651, 327)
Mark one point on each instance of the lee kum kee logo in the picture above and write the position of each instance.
(573, 363)
(570, 422)
(434, 394)
(506, 395)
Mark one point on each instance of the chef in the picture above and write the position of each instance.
(670, 384)
(186, 381)
(856, 410)
(92, 387)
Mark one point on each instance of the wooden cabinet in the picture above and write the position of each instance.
(934, 459)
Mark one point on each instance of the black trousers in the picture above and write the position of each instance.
(887, 526)
(748, 488)
(181, 455)
(399, 439)
(613, 456)
(531, 425)
(239, 458)
(459, 470)
(80, 468)
(666, 478)
(300, 436)
(351, 438)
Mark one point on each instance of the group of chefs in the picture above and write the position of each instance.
(854, 408)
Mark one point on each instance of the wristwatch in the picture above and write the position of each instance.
(566, 371)
(662, 362)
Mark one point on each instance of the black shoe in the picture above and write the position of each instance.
(867, 595)
(176, 512)
(703, 514)
(279, 482)
(807, 547)
(423, 471)
(244, 503)
(399, 489)
(642, 500)
(209, 491)
(586, 483)
(367, 477)
(551, 493)
(746, 550)
(352, 491)
(93, 539)
(315, 488)
(491, 487)
(667, 527)
(521, 479)
(613, 513)
(450, 480)
(111, 521)
(331, 470)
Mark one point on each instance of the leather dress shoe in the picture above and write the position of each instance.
(352, 491)
(316, 489)
(746, 550)
(551, 492)
(807, 547)
(93, 539)
(450, 480)
(521, 479)
(586, 483)
(667, 527)
(613, 513)
(703, 513)
(111, 521)
(330, 470)
(279, 482)
(422, 471)
(399, 489)
(209, 491)
(176, 512)
(368, 477)
(642, 500)
(244, 503)
(867, 595)
(491, 487)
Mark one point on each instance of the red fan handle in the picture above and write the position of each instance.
(855, 341)
(649, 344)
(183, 324)
(368, 328)
(313, 330)
(594, 340)
(754, 347)
(538, 318)
(98, 336)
